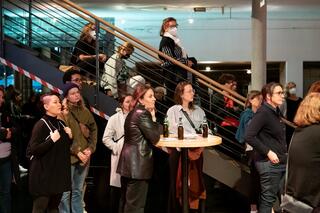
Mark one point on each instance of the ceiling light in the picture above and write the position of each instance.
(190, 20)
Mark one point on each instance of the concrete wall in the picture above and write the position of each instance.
(212, 39)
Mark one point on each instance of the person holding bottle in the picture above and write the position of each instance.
(141, 132)
(191, 118)
(113, 138)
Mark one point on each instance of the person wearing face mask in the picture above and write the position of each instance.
(84, 53)
(292, 103)
(116, 72)
(171, 45)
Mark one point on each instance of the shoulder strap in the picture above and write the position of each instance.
(118, 139)
(187, 116)
(75, 118)
(46, 124)
(62, 124)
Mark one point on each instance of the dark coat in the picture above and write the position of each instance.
(266, 132)
(136, 159)
(50, 170)
(303, 165)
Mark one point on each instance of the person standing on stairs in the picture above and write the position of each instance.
(84, 52)
(171, 45)
(116, 72)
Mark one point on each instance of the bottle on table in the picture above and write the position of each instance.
(180, 129)
(204, 127)
(166, 127)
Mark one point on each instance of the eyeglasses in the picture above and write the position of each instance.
(190, 91)
(279, 93)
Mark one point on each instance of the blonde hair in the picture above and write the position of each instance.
(308, 112)
(128, 46)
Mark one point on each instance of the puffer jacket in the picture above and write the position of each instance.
(140, 134)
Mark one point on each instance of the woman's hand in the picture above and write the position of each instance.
(55, 136)
(68, 131)
(153, 113)
(273, 157)
(84, 158)
(102, 58)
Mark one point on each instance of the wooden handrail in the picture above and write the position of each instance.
(219, 91)
(153, 50)
(72, 10)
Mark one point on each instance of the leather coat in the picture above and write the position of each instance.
(140, 133)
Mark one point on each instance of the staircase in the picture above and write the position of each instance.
(41, 35)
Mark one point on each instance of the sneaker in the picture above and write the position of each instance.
(22, 169)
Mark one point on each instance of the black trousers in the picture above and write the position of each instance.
(133, 195)
(115, 195)
(49, 204)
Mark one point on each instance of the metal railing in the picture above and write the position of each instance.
(57, 24)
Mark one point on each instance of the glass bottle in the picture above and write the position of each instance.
(166, 127)
(204, 127)
(180, 129)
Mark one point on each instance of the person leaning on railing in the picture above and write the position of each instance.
(84, 53)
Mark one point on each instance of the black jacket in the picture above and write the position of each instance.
(49, 172)
(303, 165)
(266, 132)
(140, 133)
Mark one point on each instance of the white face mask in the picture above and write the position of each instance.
(173, 31)
(293, 91)
(92, 34)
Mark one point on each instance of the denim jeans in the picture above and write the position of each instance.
(5, 186)
(271, 181)
(74, 198)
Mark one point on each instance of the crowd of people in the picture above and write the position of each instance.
(64, 136)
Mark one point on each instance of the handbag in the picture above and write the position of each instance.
(289, 203)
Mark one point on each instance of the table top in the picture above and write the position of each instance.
(189, 141)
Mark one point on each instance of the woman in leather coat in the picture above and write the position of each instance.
(136, 160)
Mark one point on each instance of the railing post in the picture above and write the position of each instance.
(30, 23)
(97, 63)
(1, 29)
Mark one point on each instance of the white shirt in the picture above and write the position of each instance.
(175, 112)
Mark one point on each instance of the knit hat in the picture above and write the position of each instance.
(67, 87)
